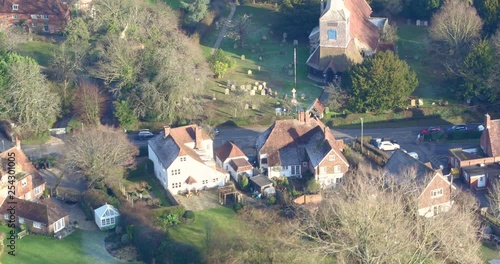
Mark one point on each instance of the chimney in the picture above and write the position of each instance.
(198, 137)
(17, 142)
(300, 116)
(166, 130)
(487, 121)
(322, 7)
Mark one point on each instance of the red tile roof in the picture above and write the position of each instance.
(228, 150)
(190, 180)
(35, 7)
(490, 138)
(360, 27)
(240, 165)
(45, 212)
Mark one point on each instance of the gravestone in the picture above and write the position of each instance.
(295, 42)
(233, 87)
(285, 97)
(246, 106)
(242, 87)
(249, 72)
(413, 102)
(254, 88)
(426, 23)
(254, 106)
(420, 102)
(226, 91)
(418, 22)
(285, 35)
(408, 21)
(260, 58)
(276, 93)
(259, 87)
(302, 96)
(264, 84)
(264, 37)
(235, 45)
(256, 83)
(252, 92)
(290, 72)
(242, 57)
(258, 68)
(262, 92)
(248, 87)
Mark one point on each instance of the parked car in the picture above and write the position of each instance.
(388, 146)
(480, 128)
(413, 155)
(430, 130)
(458, 128)
(216, 131)
(144, 134)
(376, 141)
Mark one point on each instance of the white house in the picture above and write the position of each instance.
(106, 216)
(293, 147)
(183, 160)
(232, 159)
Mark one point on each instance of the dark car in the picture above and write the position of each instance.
(252, 159)
(216, 131)
(458, 128)
(144, 134)
(430, 130)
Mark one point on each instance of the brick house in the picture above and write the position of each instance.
(434, 189)
(42, 217)
(29, 184)
(49, 16)
(291, 148)
(183, 160)
(346, 33)
(230, 158)
(478, 165)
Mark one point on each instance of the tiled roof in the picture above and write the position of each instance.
(23, 162)
(240, 164)
(360, 25)
(400, 163)
(44, 212)
(35, 7)
(490, 139)
(317, 106)
(286, 141)
(339, 59)
(190, 180)
(261, 180)
(228, 150)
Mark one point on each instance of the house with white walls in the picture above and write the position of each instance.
(184, 161)
(294, 147)
(230, 158)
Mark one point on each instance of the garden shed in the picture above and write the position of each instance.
(106, 217)
(260, 182)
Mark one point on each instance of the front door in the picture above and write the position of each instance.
(481, 181)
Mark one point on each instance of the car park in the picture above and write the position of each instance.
(388, 146)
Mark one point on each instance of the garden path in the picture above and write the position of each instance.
(224, 29)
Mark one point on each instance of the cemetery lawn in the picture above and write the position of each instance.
(275, 58)
(79, 247)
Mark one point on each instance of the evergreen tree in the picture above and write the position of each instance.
(195, 11)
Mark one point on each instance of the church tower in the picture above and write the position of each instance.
(334, 25)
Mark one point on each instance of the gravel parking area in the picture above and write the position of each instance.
(207, 200)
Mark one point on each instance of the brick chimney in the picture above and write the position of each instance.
(198, 137)
(322, 7)
(17, 142)
(166, 130)
(487, 121)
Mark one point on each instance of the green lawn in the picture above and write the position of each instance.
(145, 172)
(80, 247)
(488, 252)
(222, 219)
(40, 51)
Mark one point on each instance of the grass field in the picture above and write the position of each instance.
(40, 51)
(488, 252)
(81, 247)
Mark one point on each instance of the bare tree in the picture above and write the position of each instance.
(89, 103)
(11, 37)
(494, 197)
(98, 154)
(456, 24)
(238, 28)
(372, 220)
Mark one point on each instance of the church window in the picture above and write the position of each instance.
(332, 34)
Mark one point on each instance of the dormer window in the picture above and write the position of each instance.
(15, 7)
(24, 183)
(44, 17)
(332, 34)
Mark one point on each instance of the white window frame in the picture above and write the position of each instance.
(37, 190)
(34, 16)
(183, 158)
(103, 222)
(437, 193)
(24, 182)
(108, 222)
(46, 27)
(15, 7)
(46, 17)
(6, 216)
(37, 225)
(112, 220)
(58, 225)
(322, 170)
(331, 157)
(21, 220)
(336, 169)
(15, 16)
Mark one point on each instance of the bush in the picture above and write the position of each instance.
(189, 216)
(312, 186)
(243, 182)
(271, 200)
(237, 207)
(220, 64)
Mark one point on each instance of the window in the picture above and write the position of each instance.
(183, 158)
(304, 164)
(103, 222)
(338, 180)
(295, 170)
(34, 16)
(331, 157)
(6, 216)
(44, 16)
(436, 209)
(204, 182)
(322, 170)
(37, 225)
(112, 221)
(15, 7)
(34, 25)
(38, 190)
(332, 34)
(176, 185)
(59, 225)
(24, 183)
(215, 179)
(21, 220)
(437, 193)
(15, 17)
(336, 168)
(284, 167)
(108, 221)
(46, 28)
(176, 172)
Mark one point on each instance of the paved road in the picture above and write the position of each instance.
(224, 29)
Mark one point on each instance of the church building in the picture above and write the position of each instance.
(345, 35)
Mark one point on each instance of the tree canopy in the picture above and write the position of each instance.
(195, 11)
(380, 83)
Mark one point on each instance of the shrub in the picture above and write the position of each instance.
(23, 227)
(220, 64)
(271, 200)
(125, 239)
(243, 182)
(237, 207)
(130, 231)
(189, 216)
(312, 186)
